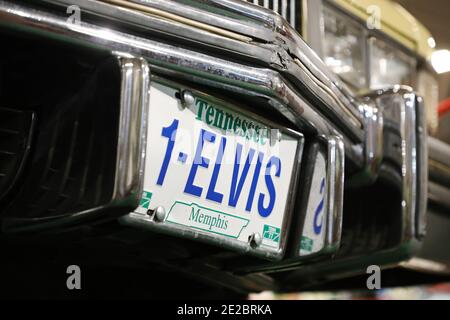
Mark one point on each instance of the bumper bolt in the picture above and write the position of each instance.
(275, 136)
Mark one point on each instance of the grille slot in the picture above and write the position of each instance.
(288, 9)
(372, 224)
(15, 138)
(74, 95)
(73, 167)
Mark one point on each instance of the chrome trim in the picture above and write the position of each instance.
(286, 37)
(374, 140)
(335, 197)
(403, 107)
(151, 10)
(195, 66)
(335, 205)
(422, 164)
(373, 146)
(283, 41)
(135, 100)
(145, 221)
(180, 25)
(334, 215)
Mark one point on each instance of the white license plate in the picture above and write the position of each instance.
(323, 199)
(218, 174)
(315, 223)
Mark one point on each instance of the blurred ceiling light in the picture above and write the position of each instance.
(431, 42)
(440, 60)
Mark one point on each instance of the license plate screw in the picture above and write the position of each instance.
(187, 99)
(275, 136)
(255, 240)
(158, 214)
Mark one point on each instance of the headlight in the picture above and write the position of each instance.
(389, 66)
(428, 88)
(344, 48)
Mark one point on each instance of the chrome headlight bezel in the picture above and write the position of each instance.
(372, 40)
(393, 67)
(347, 56)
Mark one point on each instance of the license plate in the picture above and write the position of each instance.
(321, 210)
(217, 173)
(315, 223)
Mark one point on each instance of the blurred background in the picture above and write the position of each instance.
(434, 14)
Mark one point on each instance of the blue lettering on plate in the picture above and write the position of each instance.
(251, 195)
(199, 161)
(212, 194)
(236, 187)
(319, 209)
(266, 211)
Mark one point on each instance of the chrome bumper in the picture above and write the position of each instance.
(251, 53)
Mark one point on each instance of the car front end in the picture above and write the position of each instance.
(208, 139)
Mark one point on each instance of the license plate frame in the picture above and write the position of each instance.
(151, 221)
(331, 151)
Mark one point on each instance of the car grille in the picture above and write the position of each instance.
(71, 165)
(288, 9)
(15, 138)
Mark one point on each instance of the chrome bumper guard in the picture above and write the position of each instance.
(404, 108)
(400, 108)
